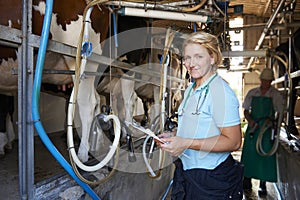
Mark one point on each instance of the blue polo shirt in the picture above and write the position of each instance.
(202, 112)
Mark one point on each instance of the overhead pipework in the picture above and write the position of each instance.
(178, 10)
(266, 29)
(137, 12)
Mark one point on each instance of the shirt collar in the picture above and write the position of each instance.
(207, 82)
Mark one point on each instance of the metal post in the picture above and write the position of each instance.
(25, 126)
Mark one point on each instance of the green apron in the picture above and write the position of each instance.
(256, 166)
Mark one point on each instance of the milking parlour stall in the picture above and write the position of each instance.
(88, 86)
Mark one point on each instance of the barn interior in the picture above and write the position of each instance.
(40, 163)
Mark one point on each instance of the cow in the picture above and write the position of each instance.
(283, 51)
(66, 23)
(122, 86)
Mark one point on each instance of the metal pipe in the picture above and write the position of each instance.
(9, 44)
(290, 82)
(266, 29)
(25, 129)
(244, 53)
(262, 25)
(136, 12)
(176, 6)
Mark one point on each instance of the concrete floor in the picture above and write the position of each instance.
(46, 167)
(253, 195)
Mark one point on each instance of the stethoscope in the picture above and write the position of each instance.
(199, 105)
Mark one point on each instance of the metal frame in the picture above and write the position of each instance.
(26, 42)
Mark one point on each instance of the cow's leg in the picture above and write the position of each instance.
(3, 142)
(155, 108)
(128, 97)
(3, 135)
(87, 100)
(117, 103)
(10, 133)
(138, 106)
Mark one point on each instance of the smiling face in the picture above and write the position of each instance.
(198, 62)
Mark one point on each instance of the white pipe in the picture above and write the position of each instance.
(82, 68)
(162, 15)
(145, 157)
(163, 101)
(114, 146)
(87, 22)
(267, 125)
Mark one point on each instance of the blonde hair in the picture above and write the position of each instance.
(208, 41)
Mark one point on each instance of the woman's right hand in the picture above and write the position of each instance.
(167, 134)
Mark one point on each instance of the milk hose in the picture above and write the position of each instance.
(115, 144)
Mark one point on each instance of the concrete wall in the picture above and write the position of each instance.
(135, 186)
(121, 186)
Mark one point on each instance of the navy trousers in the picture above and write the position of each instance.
(223, 182)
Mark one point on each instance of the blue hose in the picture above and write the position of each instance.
(168, 190)
(195, 27)
(35, 102)
(279, 195)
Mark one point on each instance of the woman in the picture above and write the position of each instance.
(208, 128)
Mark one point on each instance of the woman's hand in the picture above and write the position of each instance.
(175, 145)
(167, 134)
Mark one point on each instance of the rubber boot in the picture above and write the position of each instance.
(262, 191)
(247, 185)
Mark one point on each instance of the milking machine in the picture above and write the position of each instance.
(106, 124)
(148, 153)
(106, 121)
(129, 142)
(101, 123)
